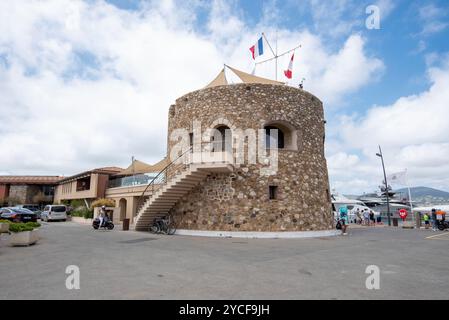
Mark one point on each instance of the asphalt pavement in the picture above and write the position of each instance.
(412, 264)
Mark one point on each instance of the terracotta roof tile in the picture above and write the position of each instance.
(30, 179)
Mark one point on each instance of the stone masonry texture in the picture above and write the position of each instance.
(239, 201)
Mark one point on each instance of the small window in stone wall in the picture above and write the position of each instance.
(272, 192)
(274, 137)
(281, 135)
(191, 138)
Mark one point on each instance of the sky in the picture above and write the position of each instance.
(87, 84)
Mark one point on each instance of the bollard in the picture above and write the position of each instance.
(395, 222)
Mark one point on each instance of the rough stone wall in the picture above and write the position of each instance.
(23, 194)
(18, 193)
(240, 201)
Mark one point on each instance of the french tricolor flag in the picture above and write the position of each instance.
(257, 49)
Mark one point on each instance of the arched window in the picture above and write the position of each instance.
(274, 137)
(221, 139)
(280, 134)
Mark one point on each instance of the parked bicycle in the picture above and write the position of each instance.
(164, 225)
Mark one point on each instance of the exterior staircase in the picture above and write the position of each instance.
(168, 194)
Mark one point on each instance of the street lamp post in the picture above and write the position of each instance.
(386, 185)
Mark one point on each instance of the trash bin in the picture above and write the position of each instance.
(125, 225)
(395, 222)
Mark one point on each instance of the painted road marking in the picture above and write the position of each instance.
(437, 236)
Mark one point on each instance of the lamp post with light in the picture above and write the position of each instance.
(386, 185)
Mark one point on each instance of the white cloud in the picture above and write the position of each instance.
(413, 133)
(85, 84)
(346, 71)
(335, 18)
(433, 19)
(342, 160)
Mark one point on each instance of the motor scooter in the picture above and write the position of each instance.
(107, 224)
(442, 224)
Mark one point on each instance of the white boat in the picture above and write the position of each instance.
(353, 205)
(428, 209)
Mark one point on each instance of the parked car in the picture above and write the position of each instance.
(54, 212)
(17, 215)
(33, 207)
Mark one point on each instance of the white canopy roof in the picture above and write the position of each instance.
(220, 79)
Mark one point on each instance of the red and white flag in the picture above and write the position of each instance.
(289, 72)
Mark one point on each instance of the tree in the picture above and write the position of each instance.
(103, 202)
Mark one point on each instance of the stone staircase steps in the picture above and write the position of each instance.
(160, 203)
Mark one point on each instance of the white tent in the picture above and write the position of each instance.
(220, 79)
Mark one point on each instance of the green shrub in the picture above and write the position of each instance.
(20, 227)
(5, 221)
(103, 202)
(78, 212)
(88, 214)
(83, 212)
(77, 203)
(33, 224)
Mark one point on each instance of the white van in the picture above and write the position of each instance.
(54, 212)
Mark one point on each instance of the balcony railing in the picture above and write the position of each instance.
(129, 181)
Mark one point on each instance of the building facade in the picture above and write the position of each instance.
(16, 190)
(128, 188)
(87, 186)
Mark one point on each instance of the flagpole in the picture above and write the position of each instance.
(282, 54)
(276, 64)
(409, 194)
(274, 54)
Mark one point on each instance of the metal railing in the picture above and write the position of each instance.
(134, 180)
(161, 178)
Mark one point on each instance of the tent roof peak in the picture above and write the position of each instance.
(220, 79)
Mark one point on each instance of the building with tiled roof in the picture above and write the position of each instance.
(30, 179)
(87, 185)
(27, 189)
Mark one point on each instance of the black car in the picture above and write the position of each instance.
(32, 207)
(17, 215)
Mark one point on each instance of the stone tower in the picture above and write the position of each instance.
(294, 197)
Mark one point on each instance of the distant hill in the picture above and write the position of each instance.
(425, 195)
(424, 191)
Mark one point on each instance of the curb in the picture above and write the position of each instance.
(259, 234)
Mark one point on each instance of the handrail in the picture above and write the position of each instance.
(164, 170)
(151, 183)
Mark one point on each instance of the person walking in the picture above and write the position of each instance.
(426, 220)
(344, 220)
(371, 218)
(366, 217)
(359, 216)
(434, 220)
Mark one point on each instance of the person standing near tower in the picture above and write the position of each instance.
(344, 219)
